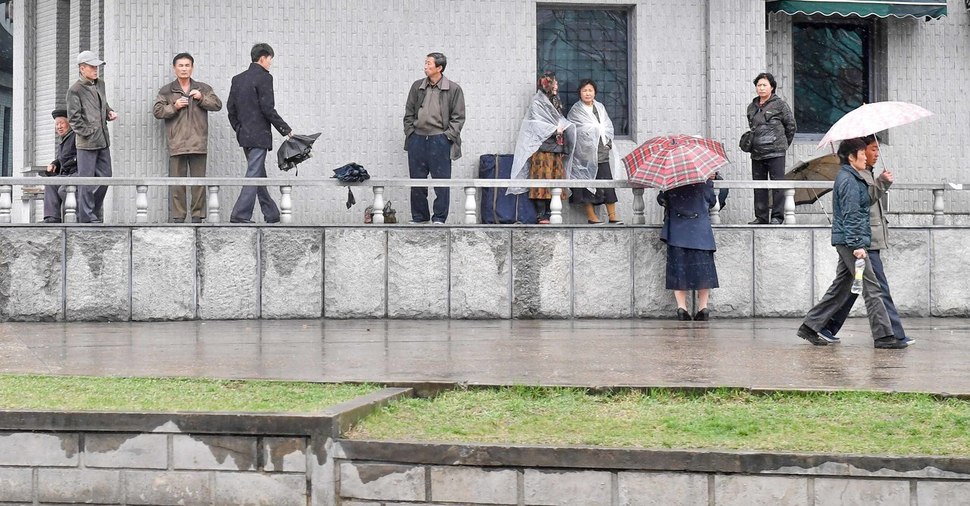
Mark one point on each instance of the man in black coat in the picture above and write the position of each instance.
(252, 109)
(64, 164)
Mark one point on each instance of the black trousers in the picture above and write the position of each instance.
(771, 168)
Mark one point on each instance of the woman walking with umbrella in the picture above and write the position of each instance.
(851, 236)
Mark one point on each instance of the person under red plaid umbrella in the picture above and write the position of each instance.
(690, 245)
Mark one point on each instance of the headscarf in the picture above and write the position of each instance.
(590, 132)
(541, 121)
(545, 84)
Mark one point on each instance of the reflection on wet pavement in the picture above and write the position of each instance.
(754, 353)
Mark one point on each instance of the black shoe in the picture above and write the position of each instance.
(758, 221)
(277, 220)
(703, 315)
(811, 336)
(176, 219)
(829, 336)
(51, 219)
(196, 219)
(777, 221)
(683, 315)
(234, 220)
(890, 343)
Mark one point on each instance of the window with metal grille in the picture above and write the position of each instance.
(833, 72)
(585, 43)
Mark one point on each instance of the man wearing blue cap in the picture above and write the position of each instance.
(89, 113)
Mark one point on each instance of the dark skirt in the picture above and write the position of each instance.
(690, 269)
(602, 195)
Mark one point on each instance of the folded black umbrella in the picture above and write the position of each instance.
(295, 150)
(351, 173)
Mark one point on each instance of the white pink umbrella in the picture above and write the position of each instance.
(871, 118)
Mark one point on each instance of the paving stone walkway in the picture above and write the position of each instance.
(754, 353)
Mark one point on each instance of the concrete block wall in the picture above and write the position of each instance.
(152, 467)
(231, 272)
(435, 474)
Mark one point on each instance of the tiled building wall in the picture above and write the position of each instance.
(343, 69)
(925, 63)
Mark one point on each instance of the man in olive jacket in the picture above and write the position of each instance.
(185, 104)
(89, 113)
(433, 117)
(252, 109)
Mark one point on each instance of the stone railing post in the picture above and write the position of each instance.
(555, 206)
(938, 217)
(790, 207)
(638, 207)
(286, 204)
(70, 204)
(470, 217)
(378, 216)
(715, 214)
(6, 202)
(212, 213)
(141, 204)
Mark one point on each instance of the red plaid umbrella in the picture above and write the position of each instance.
(670, 161)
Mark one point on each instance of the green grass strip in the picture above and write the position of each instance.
(840, 422)
(74, 393)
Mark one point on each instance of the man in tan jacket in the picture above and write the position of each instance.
(185, 104)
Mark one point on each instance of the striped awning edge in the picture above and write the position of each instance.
(862, 8)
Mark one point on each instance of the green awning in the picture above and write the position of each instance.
(861, 8)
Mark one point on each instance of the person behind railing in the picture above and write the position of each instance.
(852, 237)
(545, 137)
(593, 157)
(878, 224)
(690, 245)
(773, 128)
(252, 110)
(64, 164)
(89, 114)
(185, 104)
(433, 117)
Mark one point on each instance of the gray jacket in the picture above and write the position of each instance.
(877, 213)
(773, 127)
(452, 109)
(87, 111)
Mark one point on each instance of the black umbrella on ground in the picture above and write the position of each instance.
(295, 150)
(823, 168)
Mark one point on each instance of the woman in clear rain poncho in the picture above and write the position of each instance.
(593, 156)
(546, 136)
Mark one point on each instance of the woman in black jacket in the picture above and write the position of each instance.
(772, 126)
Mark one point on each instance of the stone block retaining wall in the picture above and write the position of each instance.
(238, 272)
(259, 459)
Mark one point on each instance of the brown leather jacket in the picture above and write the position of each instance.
(87, 111)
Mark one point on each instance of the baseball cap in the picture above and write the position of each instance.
(89, 57)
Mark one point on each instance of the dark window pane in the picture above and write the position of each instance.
(831, 72)
(588, 44)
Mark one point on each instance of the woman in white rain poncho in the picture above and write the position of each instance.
(544, 139)
(593, 156)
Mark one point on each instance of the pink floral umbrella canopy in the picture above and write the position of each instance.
(871, 118)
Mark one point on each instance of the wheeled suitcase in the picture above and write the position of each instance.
(496, 206)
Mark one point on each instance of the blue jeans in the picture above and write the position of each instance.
(429, 154)
(90, 199)
(243, 210)
(838, 319)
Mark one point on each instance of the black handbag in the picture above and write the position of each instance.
(746, 140)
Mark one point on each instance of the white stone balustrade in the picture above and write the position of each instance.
(470, 188)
